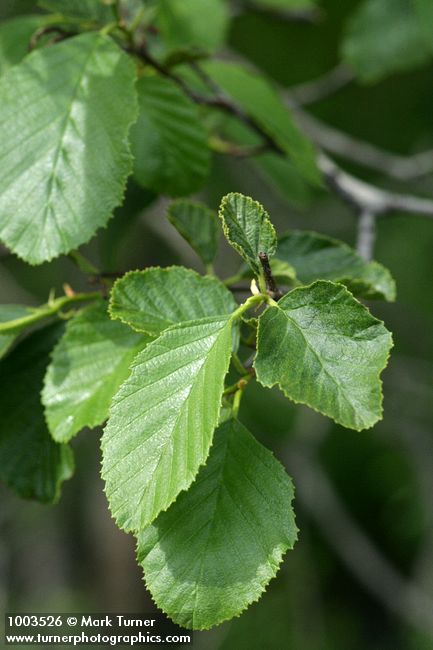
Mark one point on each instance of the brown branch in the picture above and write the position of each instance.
(271, 285)
(363, 197)
(220, 101)
(61, 35)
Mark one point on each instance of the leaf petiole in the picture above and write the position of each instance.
(252, 301)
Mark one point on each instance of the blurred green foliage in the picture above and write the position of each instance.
(73, 557)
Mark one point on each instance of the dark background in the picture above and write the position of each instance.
(361, 575)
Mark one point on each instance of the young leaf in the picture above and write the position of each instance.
(169, 143)
(31, 463)
(88, 365)
(324, 349)
(259, 99)
(15, 35)
(10, 313)
(184, 23)
(153, 300)
(215, 550)
(384, 37)
(64, 138)
(198, 225)
(317, 257)
(247, 228)
(163, 418)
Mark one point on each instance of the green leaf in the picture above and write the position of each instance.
(153, 300)
(15, 35)
(384, 37)
(324, 349)
(163, 418)
(424, 12)
(372, 282)
(185, 23)
(169, 143)
(286, 4)
(279, 172)
(94, 10)
(283, 271)
(260, 100)
(198, 225)
(65, 155)
(317, 257)
(247, 228)
(10, 313)
(88, 365)
(215, 550)
(31, 463)
(5, 343)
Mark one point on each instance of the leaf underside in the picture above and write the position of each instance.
(259, 99)
(198, 225)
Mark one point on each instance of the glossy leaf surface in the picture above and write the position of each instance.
(324, 349)
(154, 299)
(65, 153)
(163, 418)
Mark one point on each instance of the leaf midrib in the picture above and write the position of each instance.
(324, 367)
(169, 440)
(59, 148)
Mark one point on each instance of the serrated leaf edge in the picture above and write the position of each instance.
(313, 408)
(281, 552)
(128, 155)
(224, 201)
(94, 423)
(206, 278)
(340, 244)
(230, 320)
